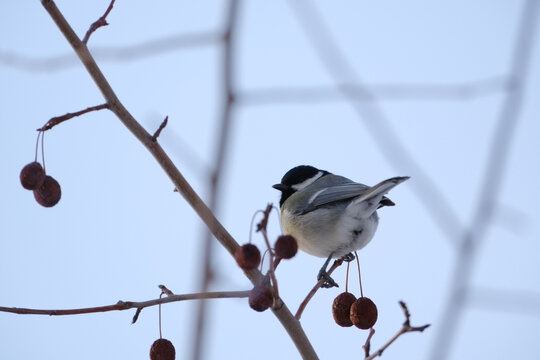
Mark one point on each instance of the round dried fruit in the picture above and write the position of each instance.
(260, 298)
(162, 349)
(32, 176)
(341, 309)
(49, 193)
(247, 256)
(286, 246)
(363, 313)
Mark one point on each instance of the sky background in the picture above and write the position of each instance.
(439, 71)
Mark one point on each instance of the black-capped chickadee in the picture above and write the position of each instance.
(329, 215)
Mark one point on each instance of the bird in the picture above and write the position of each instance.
(330, 216)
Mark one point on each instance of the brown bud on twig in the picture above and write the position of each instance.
(32, 176)
(162, 349)
(363, 313)
(247, 256)
(341, 309)
(49, 193)
(260, 298)
(286, 246)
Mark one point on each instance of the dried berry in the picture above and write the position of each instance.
(260, 298)
(248, 256)
(341, 309)
(49, 193)
(286, 246)
(162, 349)
(364, 313)
(32, 176)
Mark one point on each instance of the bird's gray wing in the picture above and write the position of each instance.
(350, 190)
(333, 194)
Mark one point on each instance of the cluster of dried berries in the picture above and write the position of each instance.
(46, 189)
(349, 311)
(162, 349)
(248, 257)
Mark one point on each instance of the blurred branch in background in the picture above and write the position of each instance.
(378, 92)
(375, 120)
(523, 302)
(221, 151)
(146, 49)
(486, 206)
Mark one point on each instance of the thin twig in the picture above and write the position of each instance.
(317, 286)
(404, 329)
(367, 345)
(125, 305)
(161, 127)
(98, 23)
(59, 119)
(261, 226)
(165, 291)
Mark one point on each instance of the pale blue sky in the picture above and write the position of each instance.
(120, 230)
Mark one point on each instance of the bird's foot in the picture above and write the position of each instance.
(348, 258)
(328, 281)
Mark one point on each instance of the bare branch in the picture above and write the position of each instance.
(404, 329)
(367, 345)
(165, 291)
(98, 23)
(317, 286)
(125, 305)
(161, 127)
(291, 325)
(261, 226)
(58, 119)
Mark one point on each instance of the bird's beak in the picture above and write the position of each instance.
(280, 187)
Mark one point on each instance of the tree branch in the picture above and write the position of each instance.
(317, 286)
(404, 329)
(98, 23)
(161, 127)
(59, 119)
(125, 305)
(291, 325)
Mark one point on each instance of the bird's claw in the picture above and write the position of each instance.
(348, 258)
(328, 281)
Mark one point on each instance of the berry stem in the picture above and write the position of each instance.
(43, 152)
(347, 278)
(37, 144)
(159, 307)
(359, 275)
